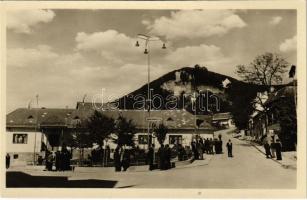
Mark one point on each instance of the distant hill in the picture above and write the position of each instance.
(182, 83)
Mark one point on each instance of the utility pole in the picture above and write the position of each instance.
(148, 39)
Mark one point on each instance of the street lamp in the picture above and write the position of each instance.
(148, 39)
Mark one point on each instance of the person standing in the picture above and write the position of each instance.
(150, 156)
(194, 150)
(7, 160)
(161, 153)
(211, 146)
(229, 148)
(220, 144)
(273, 150)
(168, 154)
(200, 148)
(206, 146)
(278, 149)
(267, 149)
(58, 162)
(126, 159)
(49, 162)
(117, 163)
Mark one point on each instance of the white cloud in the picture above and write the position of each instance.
(196, 23)
(146, 22)
(23, 57)
(288, 45)
(114, 47)
(43, 70)
(21, 21)
(275, 20)
(210, 56)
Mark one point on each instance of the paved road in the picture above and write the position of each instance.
(247, 169)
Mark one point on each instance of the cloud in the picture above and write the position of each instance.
(196, 23)
(210, 56)
(288, 45)
(21, 21)
(24, 57)
(111, 46)
(114, 47)
(275, 20)
(44, 71)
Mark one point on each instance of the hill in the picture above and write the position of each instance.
(175, 90)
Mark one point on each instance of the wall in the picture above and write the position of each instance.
(24, 151)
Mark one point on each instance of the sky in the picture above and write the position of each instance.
(62, 55)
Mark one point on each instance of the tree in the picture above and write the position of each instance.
(125, 130)
(161, 132)
(286, 114)
(100, 127)
(266, 69)
(78, 138)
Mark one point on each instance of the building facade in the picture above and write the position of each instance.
(30, 132)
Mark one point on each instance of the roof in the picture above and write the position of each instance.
(222, 116)
(24, 117)
(174, 119)
(53, 117)
(93, 106)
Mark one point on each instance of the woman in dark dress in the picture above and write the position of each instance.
(278, 149)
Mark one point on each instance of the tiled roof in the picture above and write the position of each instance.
(42, 116)
(221, 116)
(174, 119)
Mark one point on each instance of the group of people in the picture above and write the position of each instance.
(208, 146)
(59, 159)
(121, 158)
(273, 150)
(164, 157)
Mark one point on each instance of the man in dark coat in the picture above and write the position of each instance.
(211, 146)
(161, 153)
(267, 150)
(229, 148)
(194, 150)
(58, 161)
(117, 162)
(7, 160)
(207, 146)
(126, 159)
(200, 148)
(278, 149)
(150, 156)
(168, 154)
(216, 146)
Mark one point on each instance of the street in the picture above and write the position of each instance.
(247, 169)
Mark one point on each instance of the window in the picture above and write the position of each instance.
(20, 138)
(175, 139)
(170, 119)
(143, 139)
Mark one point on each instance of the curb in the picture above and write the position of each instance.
(277, 161)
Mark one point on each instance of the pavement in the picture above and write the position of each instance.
(249, 168)
(289, 159)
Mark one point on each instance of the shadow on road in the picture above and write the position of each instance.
(23, 180)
